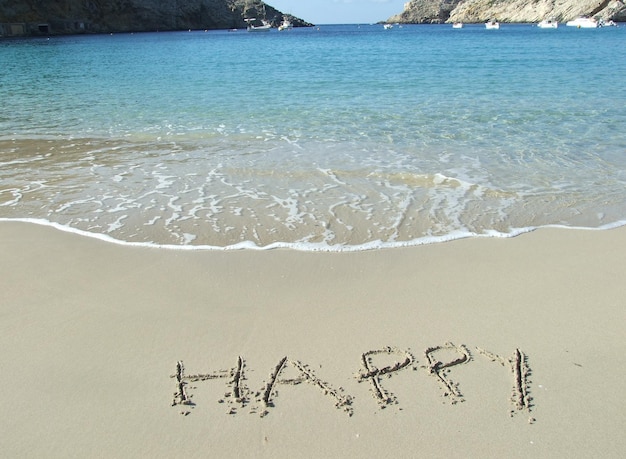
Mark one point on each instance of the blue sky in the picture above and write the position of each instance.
(340, 11)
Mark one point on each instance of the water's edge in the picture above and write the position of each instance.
(301, 247)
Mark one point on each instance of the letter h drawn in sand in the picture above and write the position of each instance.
(236, 397)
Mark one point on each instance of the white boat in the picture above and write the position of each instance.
(493, 24)
(548, 24)
(583, 23)
(266, 27)
(387, 26)
(285, 25)
(457, 25)
(262, 28)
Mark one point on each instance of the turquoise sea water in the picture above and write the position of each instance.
(329, 138)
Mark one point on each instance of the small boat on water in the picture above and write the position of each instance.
(387, 26)
(285, 25)
(265, 27)
(583, 23)
(492, 25)
(457, 25)
(548, 24)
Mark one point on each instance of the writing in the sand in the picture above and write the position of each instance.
(439, 360)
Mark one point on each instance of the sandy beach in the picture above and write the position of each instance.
(474, 348)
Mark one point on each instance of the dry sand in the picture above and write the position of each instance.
(473, 348)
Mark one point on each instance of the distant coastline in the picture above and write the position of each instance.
(512, 11)
(72, 17)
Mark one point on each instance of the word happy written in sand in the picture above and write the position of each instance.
(261, 401)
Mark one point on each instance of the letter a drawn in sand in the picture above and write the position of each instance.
(305, 375)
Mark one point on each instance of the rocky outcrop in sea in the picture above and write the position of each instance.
(35, 17)
(472, 11)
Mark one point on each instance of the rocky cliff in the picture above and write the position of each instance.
(437, 11)
(31, 17)
(425, 11)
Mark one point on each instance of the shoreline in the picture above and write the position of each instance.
(303, 354)
(309, 247)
